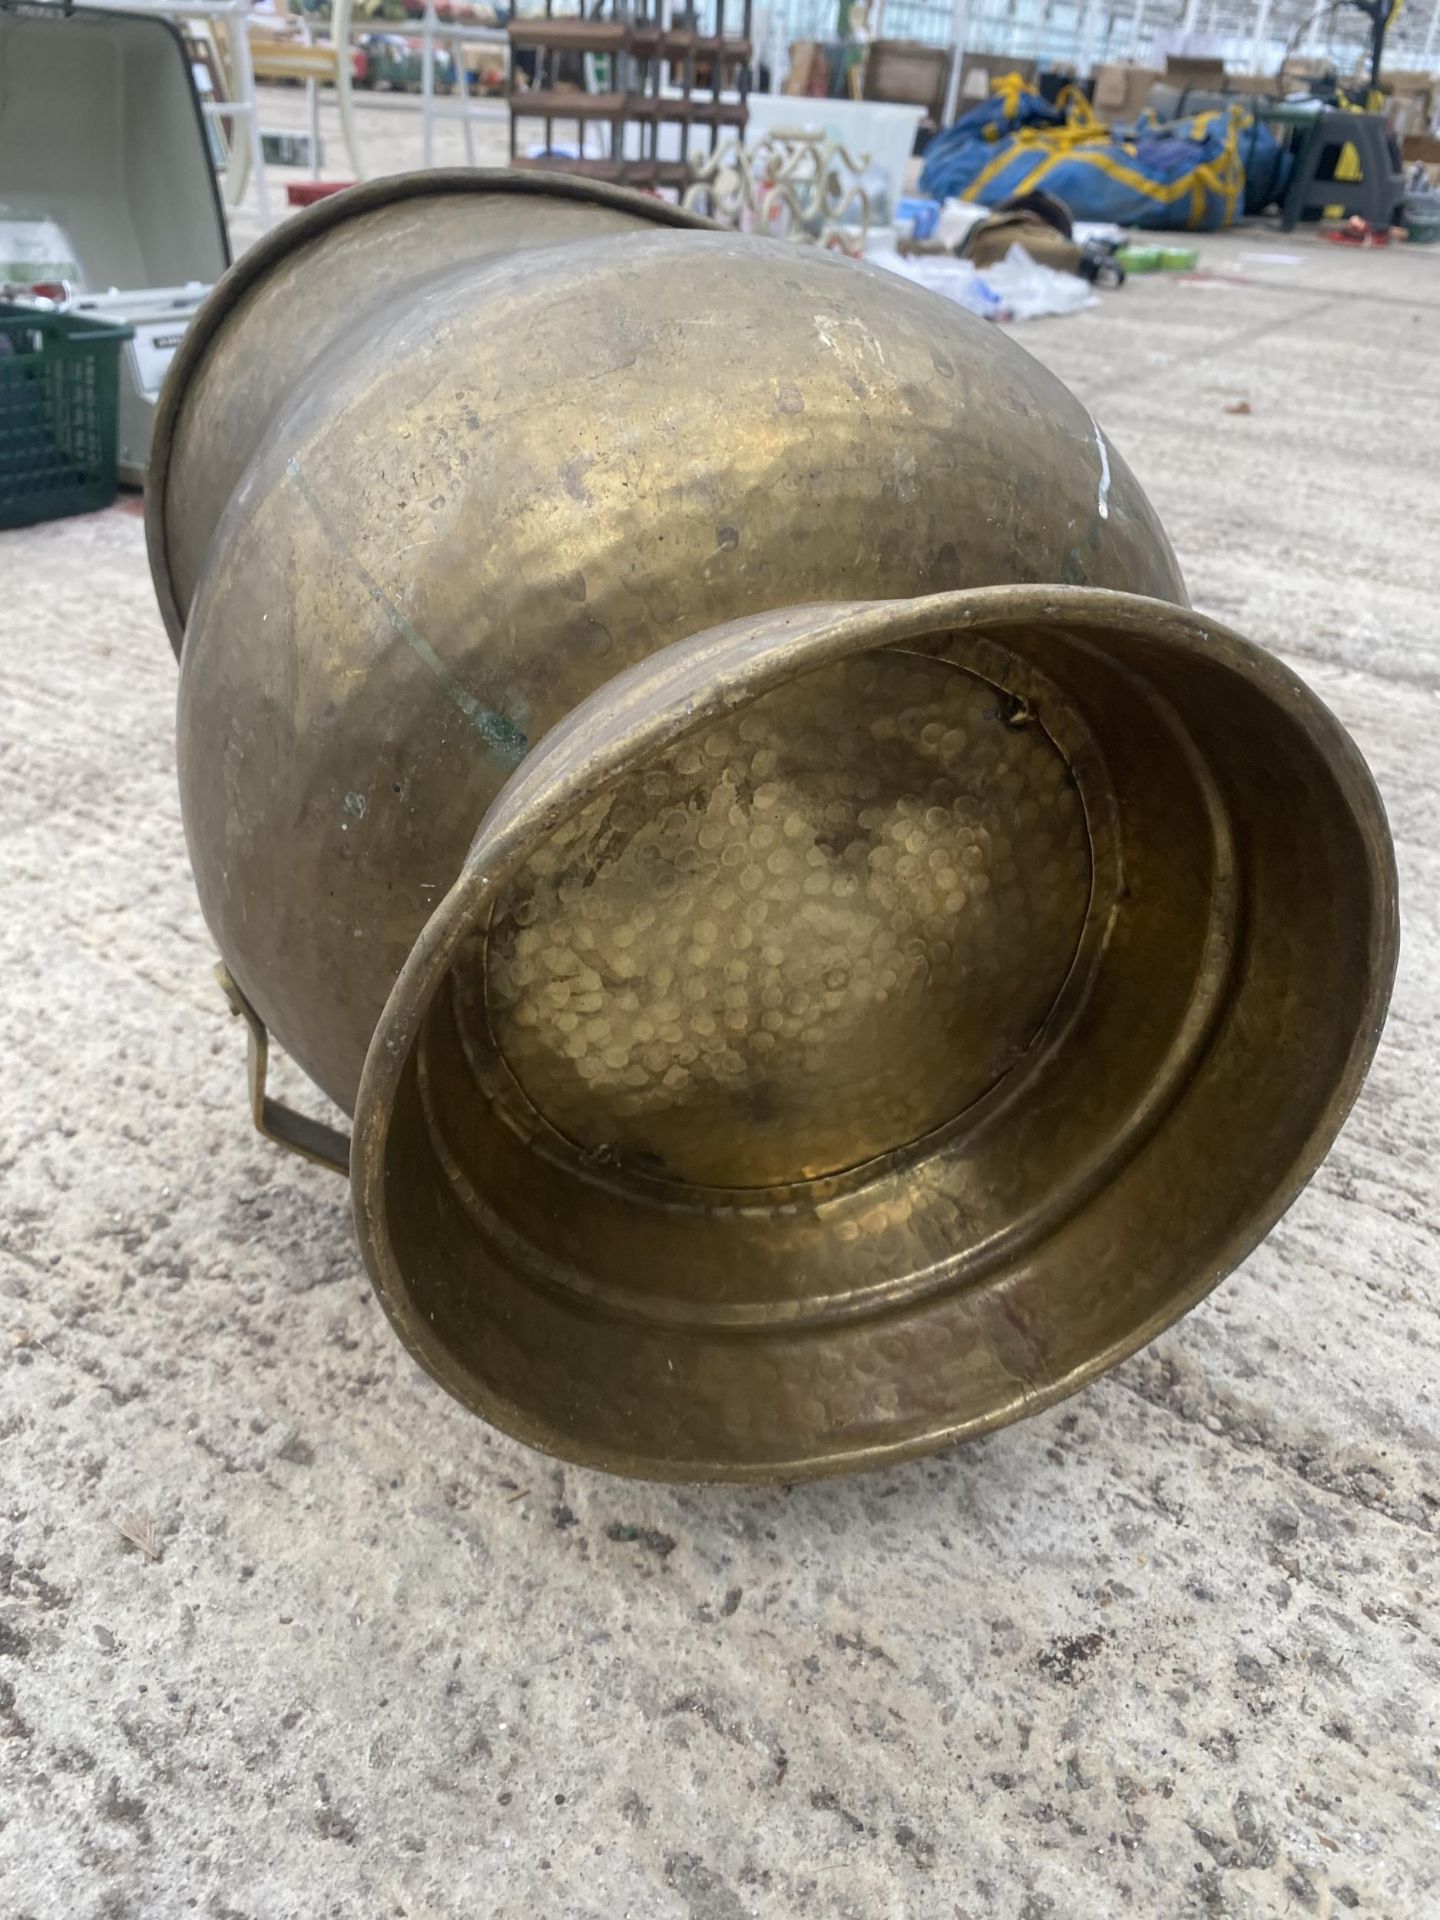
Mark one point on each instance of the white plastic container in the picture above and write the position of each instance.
(103, 155)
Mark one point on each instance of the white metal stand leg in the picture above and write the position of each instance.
(464, 99)
(1262, 31)
(959, 26)
(1089, 23)
(312, 105)
(1137, 27)
(456, 38)
(245, 88)
(340, 17)
(427, 85)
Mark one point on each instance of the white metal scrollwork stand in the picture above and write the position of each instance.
(791, 184)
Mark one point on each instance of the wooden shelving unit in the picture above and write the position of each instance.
(672, 67)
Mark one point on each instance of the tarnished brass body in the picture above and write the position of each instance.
(491, 494)
(287, 305)
(915, 958)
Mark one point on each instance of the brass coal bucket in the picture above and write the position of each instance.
(702, 749)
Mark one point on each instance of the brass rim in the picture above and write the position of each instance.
(674, 694)
(298, 231)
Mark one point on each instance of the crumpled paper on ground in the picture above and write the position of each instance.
(1015, 288)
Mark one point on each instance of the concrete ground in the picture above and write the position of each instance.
(285, 1632)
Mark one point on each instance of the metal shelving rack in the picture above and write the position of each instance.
(669, 69)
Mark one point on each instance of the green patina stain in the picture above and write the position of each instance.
(497, 731)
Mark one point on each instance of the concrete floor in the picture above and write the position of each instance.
(1168, 1649)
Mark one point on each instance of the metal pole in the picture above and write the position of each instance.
(245, 87)
(340, 20)
(1431, 36)
(462, 94)
(959, 26)
(427, 85)
(1137, 27)
(1087, 38)
(1262, 30)
(312, 104)
(1192, 14)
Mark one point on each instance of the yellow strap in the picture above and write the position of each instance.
(1076, 108)
(988, 172)
(1010, 88)
(1222, 175)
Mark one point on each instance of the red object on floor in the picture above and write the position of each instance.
(1359, 233)
(304, 193)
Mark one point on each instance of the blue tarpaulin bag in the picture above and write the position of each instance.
(1189, 174)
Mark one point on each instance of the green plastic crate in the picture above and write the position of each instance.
(59, 404)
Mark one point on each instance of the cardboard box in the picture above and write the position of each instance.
(1121, 91)
(908, 73)
(1406, 80)
(981, 70)
(1410, 102)
(1300, 69)
(807, 65)
(1195, 70)
(1252, 83)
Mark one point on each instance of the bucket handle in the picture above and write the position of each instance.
(311, 1139)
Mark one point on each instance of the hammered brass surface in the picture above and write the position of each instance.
(290, 301)
(700, 746)
(806, 936)
(445, 543)
(1212, 1029)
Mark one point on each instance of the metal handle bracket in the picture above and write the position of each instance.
(311, 1139)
